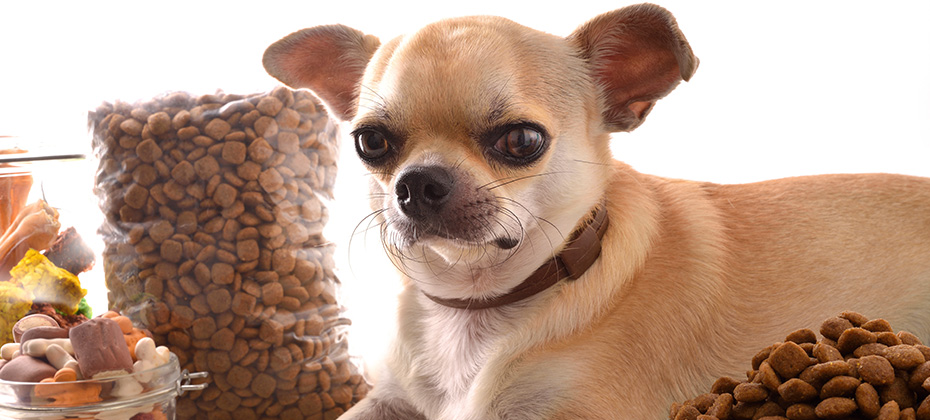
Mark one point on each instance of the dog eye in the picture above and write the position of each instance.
(371, 145)
(521, 143)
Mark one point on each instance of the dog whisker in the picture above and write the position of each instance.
(505, 181)
(593, 163)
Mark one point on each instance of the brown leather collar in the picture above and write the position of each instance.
(581, 250)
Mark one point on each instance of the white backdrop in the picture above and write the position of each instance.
(784, 88)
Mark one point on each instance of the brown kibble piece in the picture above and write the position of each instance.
(875, 370)
(835, 408)
(788, 360)
(767, 376)
(852, 338)
(909, 338)
(131, 126)
(855, 318)
(889, 339)
(832, 328)
(826, 353)
(270, 180)
(750, 392)
(923, 409)
(795, 390)
(899, 392)
(724, 385)
(877, 326)
(801, 412)
(889, 411)
(148, 151)
(839, 386)
(183, 173)
(823, 372)
(904, 356)
(770, 410)
(263, 385)
(804, 335)
(870, 349)
(721, 406)
(867, 400)
(269, 105)
(762, 355)
(918, 376)
(217, 128)
(234, 152)
(159, 123)
(687, 413)
(219, 300)
(259, 150)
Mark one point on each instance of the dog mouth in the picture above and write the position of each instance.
(410, 232)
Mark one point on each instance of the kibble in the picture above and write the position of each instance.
(855, 371)
(213, 241)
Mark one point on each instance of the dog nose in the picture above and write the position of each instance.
(423, 190)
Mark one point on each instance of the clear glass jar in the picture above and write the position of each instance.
(100, 399)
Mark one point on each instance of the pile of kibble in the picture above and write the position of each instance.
(859, 369)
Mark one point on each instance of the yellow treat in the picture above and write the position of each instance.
(14, 304)
(48, 283)
(62, 391)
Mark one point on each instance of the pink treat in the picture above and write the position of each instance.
(100, 349)
(26, 369)
(43, 332)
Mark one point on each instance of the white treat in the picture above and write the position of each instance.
(59, 357)
(149, 357)
(126, 387)
(38, 346)
(9, 351)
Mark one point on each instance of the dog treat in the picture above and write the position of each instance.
(59, 357)
(214, 207)
(48, 283)
(38, 347)
(9, 350)
(29, 321)
(63, 392)
(859, 369)
(100, 349)
(35, 227)
(53, 379)
(70, 252)
(43, 332)
(26, 369)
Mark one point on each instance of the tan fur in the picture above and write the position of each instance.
(693, 279)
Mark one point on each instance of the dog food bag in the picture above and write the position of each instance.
(214, 207)
(858, 369)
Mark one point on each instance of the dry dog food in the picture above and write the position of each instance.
(214, 212)
(859, 369)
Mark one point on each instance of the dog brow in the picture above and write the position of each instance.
(377, 111)
(500, 106)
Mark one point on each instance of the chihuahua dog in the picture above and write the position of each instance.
(545, 280)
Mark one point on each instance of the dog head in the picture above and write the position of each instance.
(487, 141)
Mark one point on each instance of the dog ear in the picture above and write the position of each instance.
(636, 55)
(327, 60)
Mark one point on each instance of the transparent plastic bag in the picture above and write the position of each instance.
(214, 209)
